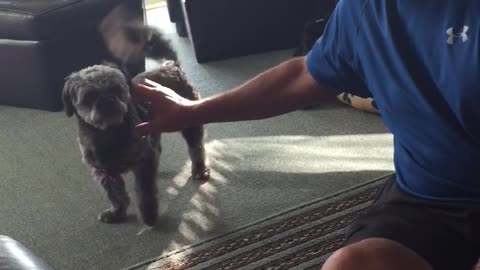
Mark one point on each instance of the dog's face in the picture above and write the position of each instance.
(98, 94)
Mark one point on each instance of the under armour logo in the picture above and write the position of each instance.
(452, 36)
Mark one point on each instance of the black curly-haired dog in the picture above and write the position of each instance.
(100, 97)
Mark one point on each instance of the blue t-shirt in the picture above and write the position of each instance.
(420, 60)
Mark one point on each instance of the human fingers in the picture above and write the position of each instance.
(145, 92)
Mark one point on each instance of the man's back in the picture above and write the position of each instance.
(420, 60)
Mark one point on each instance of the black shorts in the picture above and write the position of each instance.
(445, 235)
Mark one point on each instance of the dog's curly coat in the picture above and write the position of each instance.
(100, 97)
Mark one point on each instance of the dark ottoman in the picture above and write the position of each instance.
(42, 41)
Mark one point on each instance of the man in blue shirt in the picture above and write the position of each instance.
(420, 60)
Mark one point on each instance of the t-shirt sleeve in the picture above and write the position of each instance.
(332, 60)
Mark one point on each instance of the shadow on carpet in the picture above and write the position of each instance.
(299, 238)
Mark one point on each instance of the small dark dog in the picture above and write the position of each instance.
(101, 98)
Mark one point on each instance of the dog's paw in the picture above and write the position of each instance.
(150, 220)
(149, 216)
(201, 175)
(149, 211)
(111, 216)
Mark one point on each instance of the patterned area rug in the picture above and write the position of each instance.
(299, 238)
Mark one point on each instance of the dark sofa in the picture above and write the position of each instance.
(42, 41)
(221, 29)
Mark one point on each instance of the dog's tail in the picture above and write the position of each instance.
(128, 39)
(155, 45)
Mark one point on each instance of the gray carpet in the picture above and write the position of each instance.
(49, 202)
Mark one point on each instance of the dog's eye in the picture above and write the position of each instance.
(118, 91)
(89, 97)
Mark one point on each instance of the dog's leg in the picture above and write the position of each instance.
(146, 188)
(114, 187)
(194, 137)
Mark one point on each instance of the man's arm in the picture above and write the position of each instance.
(282, 89)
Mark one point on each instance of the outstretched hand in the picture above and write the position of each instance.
(170, 111)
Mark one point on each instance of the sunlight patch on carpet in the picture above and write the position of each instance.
(303, 154)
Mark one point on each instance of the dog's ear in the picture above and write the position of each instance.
(67, 96)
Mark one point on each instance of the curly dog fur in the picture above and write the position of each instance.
(100, 97)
